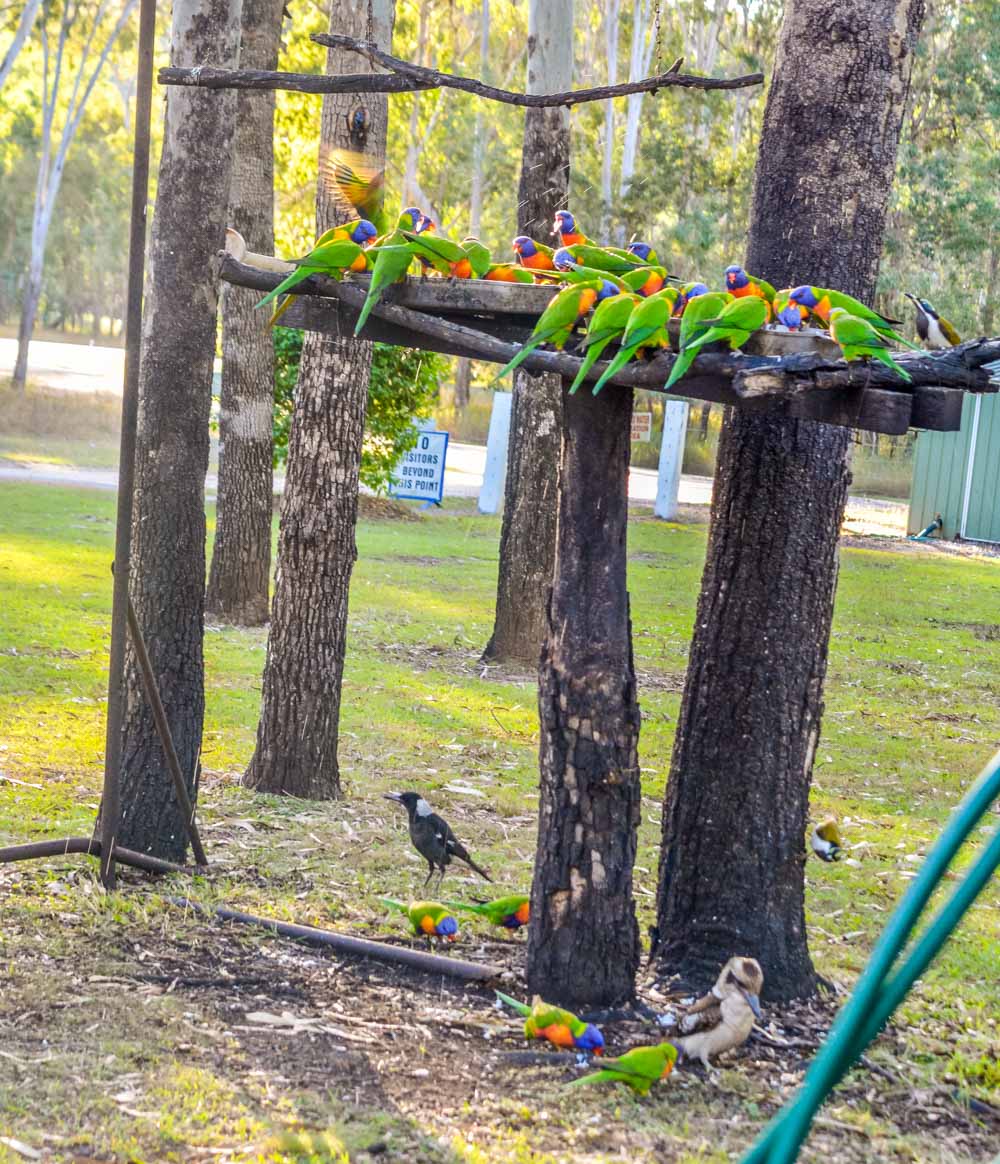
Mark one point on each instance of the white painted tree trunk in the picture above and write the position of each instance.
(611, 20)
(639, 58)
(24, 26)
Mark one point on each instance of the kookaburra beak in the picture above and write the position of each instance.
(754, 1003)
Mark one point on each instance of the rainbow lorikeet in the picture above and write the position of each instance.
(359, 231)
(739, 284)
(511, 912)
(480, 259)
(569, 270)
(787, 313)
(331, 259)
(734, 323)
(535, 256)
(687, 292)
(646, 328)
(446, 257)
(508, 273)
(392, 260)
(640, 1068)
(565, 229)
(557, 321)
(598, 258)
(643, 251)
(561, 1027)
(826, 841)
(822, 300)
(608, 322)
(356, 184)
(859, 340)
(429, 918)
(935, 332)
(646, 280)
(696, 320)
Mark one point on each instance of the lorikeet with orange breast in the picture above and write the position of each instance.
(511, 912)
(560, 1027)
(429, 918)
(859, 340)
(535, 256)
(822, 300)
(739, 284)
(646, 328)
(566, 231)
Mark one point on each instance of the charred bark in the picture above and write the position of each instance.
(241, 553)
(732, 864)
(527, 533)
(175, 389)
(298, 732)
(583, 942)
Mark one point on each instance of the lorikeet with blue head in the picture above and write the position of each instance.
(735, 323)
(687, 292)
(568, 269)
(597, 258)
(560, 1027)
(608, 323)
(739, 284)
(859, 340)
(511, 912)
(332, 259)
(646, 328)
(565, 229)
(392, 260)
(556, 323)
(822, 300)
(642, 251)
(430, 919)
(639, 1068)
(535, 256)
(700, 312)
(787, 313)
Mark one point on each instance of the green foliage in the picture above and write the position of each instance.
(403, 385)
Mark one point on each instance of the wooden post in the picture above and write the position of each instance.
(495, 469)
(583, 944)
(668, 478)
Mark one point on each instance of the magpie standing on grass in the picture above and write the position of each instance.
(432, 837)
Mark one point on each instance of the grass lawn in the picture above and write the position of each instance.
(129, 1029)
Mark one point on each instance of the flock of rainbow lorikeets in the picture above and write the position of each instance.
(628, 296)
(716, 1022)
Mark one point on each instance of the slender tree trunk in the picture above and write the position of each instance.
(527, 535)
(732, 864)
(25, 23)
(241, 555)
(175, 388)
(300, 709)
(703, 418)
(583, 942)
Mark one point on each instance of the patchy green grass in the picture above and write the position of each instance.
(108, 1005)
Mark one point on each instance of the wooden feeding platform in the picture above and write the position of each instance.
(797, 375)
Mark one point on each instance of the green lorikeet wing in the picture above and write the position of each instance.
(735, 322)
(858, 339)
(608, 323)
(640, 1068)
(356, 183)
(392, 260)
(522, 1008)
(602, 259)
(508, 273)
(646, 328)
(579, 274)
(440, 252)
(497, 911)
(696, 320)
(859, 310)
(331, 259)
(478, 255)
(392, 903)
(557, 320)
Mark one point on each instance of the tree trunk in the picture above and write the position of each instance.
(300, 709)
(241, 555)
(25, 23)
(703, 419)
(175, 386)
(527, 534)
(463, 382)
(583, 942)
(732, 863)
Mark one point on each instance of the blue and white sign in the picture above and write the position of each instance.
(420, 474)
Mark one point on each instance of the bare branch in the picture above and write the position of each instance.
(210, 77)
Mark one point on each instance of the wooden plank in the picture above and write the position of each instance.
(937, 408)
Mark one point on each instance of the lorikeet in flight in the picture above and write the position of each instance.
(646, 328)
(608, 322)
(859, 340)
(698, 317)
(640, 1068)
(561, 1027)
(356, 185)
(826, 841)
(331, 259)
(392, 260)
(428, 918)
(565, 229)
(822, 300)
(734, 323)
(535, 256)
(740, 284)
(557, 321)
(935, 332)
(511, 912)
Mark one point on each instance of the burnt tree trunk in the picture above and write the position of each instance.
(583, 941)
(171, 459)
(733, 857)
(240, 573)
(528, 530)
(300, 710)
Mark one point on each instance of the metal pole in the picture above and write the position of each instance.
(111, 801)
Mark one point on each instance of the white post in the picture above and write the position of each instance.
(668, 479)
(495, 469)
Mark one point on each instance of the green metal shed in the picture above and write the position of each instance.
(957, 474)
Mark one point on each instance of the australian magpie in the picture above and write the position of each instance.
(431, 836)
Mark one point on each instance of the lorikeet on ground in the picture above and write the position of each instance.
(511, 912)
(646, 329)
(561, 1027)
(392, 260)
(535, 256)
(429, 918)
(740, 284)
(643, 251)
(565, 228)
(508, 273)
(821, 301)
(695, 321)
(608, 322)
(331, 259)
(687, 292)
(735, 323)
(826, 841)
(935, 331)
(640, 1068)
(557, 321)
(859, 340)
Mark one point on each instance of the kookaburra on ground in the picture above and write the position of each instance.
(935, 332)
(723, 1018)
(431, 835)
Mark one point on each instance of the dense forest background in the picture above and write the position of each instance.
(676, 172)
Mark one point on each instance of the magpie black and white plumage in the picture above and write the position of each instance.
(935, 332)
(432, 836)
